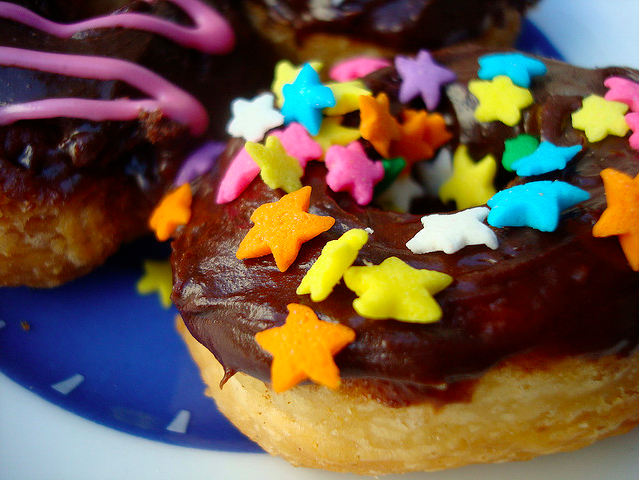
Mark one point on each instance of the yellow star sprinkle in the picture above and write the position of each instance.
(303, 348)
(174, 210)
(346, 97)
(472, 183)
(277, 168)
(328, 269)
(499, 99)
(158, 279)
(394, 289)
(286, 72)
(599, 118)
(333, 133)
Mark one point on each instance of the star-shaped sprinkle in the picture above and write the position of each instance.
(305, 98)
(536, 204)
(328, 269)
(157, 278)
(240, 173)
(546, 158)
(357, 67)
(422, 133)
(346, 97)
(621, 216)
(281, 227)
(251, 119)
(450, 233)
(286, 72)
(303, 348)
(299, 144)
(349, 169)
(472, 182)
(518, 67)
(243, 169)
(399, 196)
(599, 118)
(499, 100)
(632, 119)
(377, 125)
(174, 210)
(436, 172)
(277, 168)
(333, 132)
(394, 289)
(392, 168)
(515, 148)
(422, 76)
(623, 90)
(199, 162)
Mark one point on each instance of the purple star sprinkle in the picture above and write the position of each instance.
(422, 76)
(199, 162)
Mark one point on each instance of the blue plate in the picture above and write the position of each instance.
(102, 351)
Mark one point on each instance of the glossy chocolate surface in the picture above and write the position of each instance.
(400, 24)
(538, 296)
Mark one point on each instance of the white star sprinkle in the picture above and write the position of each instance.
(452, 232)
(253, 118)
(399, 196)
(435, 173)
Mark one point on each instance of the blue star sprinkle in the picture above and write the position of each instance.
(520, 68)
(536, 204)
(546, 158)
(305, 98)
(422, 76)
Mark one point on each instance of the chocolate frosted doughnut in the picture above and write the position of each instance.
(328, 31)
(534, 348)
(98, 113)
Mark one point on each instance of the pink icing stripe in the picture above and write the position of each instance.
(171, 100)
(210, 33)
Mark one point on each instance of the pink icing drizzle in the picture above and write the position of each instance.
(210, 33)
(174, 102)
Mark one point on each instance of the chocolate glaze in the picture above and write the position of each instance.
(537, 297)
(48, 160)
(405, 25)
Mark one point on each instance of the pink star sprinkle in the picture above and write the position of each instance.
(424, 76)
(349, 169)
(632, 119)
(298, 143)
(623, 90)
(356, 67)
(239, 175)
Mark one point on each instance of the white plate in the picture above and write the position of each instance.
(41, 441)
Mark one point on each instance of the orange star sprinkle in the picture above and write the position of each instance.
(621, 216)
(174, 210)
(303, 348)
(421, 134)
(281, 227)
(377, 125)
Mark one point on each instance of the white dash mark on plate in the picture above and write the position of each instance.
(2, 324)
(180, 423)
(67, 386)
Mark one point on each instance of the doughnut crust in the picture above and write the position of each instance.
(514, 414)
